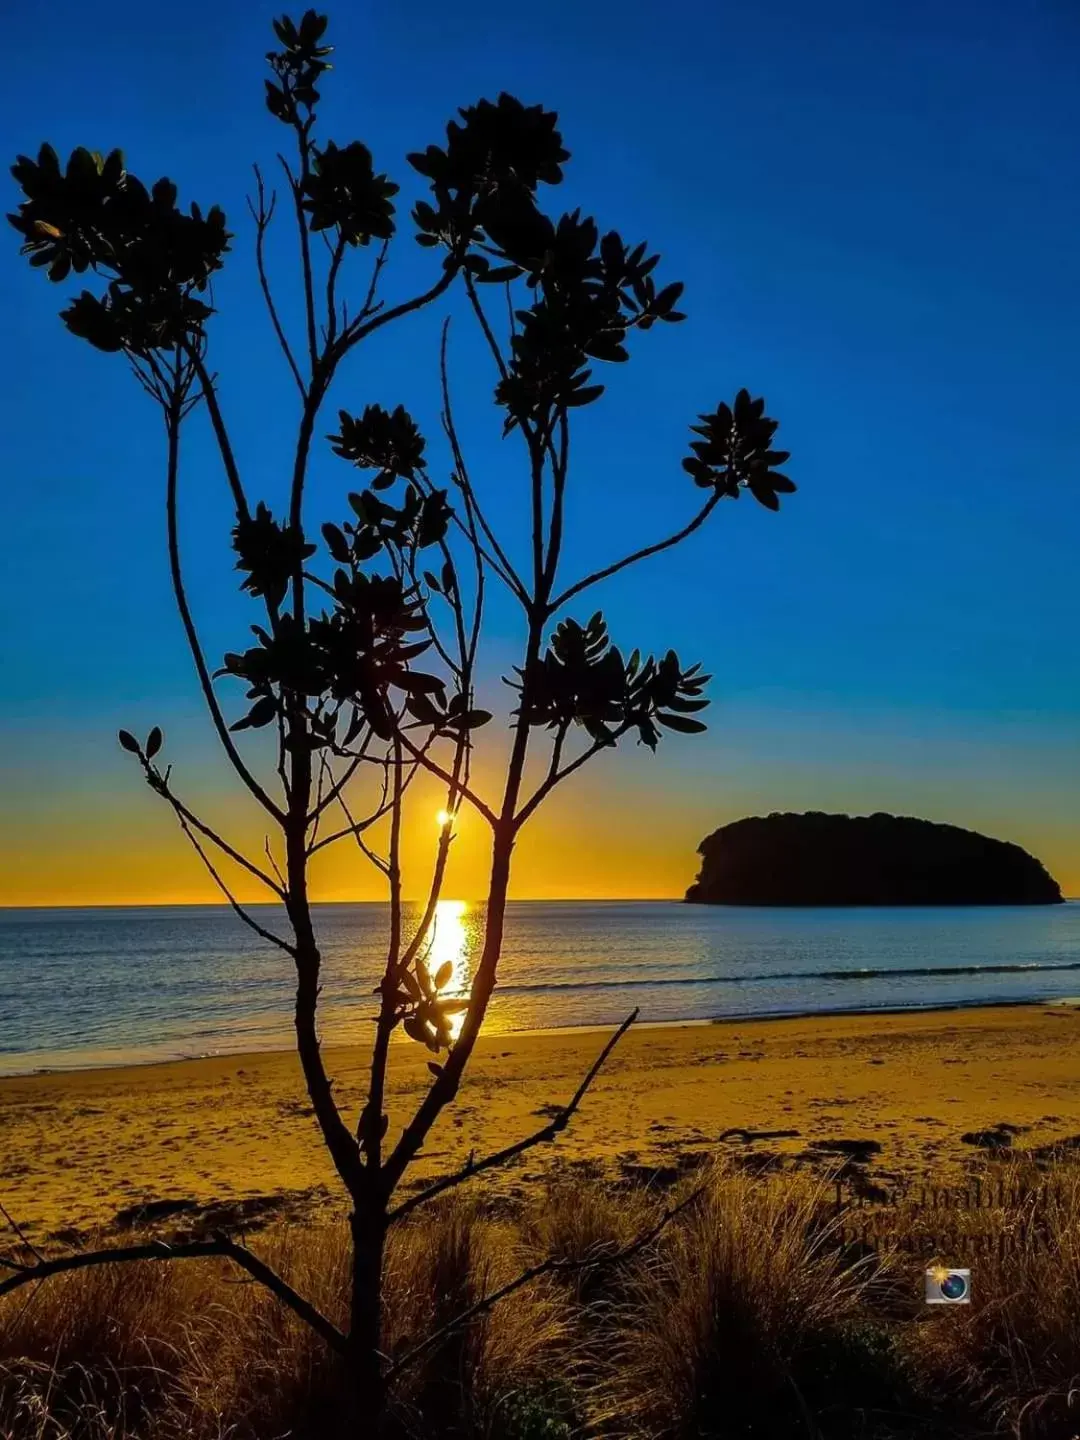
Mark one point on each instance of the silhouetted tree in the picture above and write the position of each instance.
(399, 580)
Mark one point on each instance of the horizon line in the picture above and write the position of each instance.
(419, 900)
(513, 900)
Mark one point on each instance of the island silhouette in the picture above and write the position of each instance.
(819, 859)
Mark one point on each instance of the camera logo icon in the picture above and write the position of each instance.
(948, 1287)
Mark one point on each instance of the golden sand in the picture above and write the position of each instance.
(76, 1148)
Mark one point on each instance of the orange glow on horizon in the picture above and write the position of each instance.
(617, 836)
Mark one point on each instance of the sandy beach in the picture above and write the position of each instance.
(235, 1133)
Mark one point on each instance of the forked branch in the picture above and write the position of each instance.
(551, 1131)
(262, 214)
(556, 776)
(238, 909)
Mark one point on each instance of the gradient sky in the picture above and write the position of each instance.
(876, 213)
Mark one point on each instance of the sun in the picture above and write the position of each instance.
(443, 818)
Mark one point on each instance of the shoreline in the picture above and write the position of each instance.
(233, 1139)
(116, 1062)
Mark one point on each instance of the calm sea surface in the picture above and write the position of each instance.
(83, 987)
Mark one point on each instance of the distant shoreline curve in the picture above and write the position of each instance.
(839, 1012)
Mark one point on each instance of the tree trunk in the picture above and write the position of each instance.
(367, 1391)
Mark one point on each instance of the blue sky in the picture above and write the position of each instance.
(875, 212)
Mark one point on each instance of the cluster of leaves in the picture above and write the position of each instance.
(338, 188)
(390, 444)
(343, 192)
(298, 65)
(270, 553)
(386, 441)
(419, 521)
(495, 159)
(421, 1006)
(348, 661)
(734, 452)
(352, 656)
(583, 680)
(588, 292)
(93, 215)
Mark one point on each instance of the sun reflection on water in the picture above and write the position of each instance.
(450, 943)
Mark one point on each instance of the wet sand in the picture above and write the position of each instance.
(235, 1133)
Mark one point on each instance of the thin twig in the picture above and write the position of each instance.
(360, 328)
(296, 187)
(355, 829)
(509, 574)
(556, 776)
(357, 758)
(160, 783)
(205, 682)
(436, 769)
(643, 554)
(23, 1237)
(248, 920)
(369, 307)
(337, 253)
(262, 217)
(221, 434)
(488, 333)
(274, 863)
(548, 1132)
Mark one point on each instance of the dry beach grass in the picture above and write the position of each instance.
(745, 1318)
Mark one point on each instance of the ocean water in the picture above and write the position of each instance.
(94, 986)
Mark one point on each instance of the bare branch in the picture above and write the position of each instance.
(248, 920)
(358, 758)
(503, 567)
(336, 256)
(160, 783)
(546, 1267)
(221, 434)
(276, 867)
(560, 464)
(369, 1128)
(643, 554)
(361, 327)
(262, 215)
(556, 776)
(220, 1245)
(296, 189)
(229, 746)
(549, 1132)
(23, 1238)
(369, 307)
(489, 334)
(436, 769)
(355, 828)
